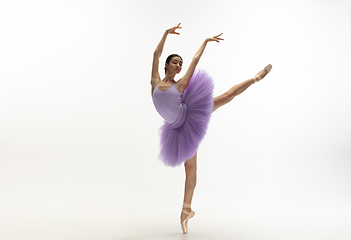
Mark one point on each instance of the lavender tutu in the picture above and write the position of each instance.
(180, 143)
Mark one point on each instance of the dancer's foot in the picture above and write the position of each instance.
(261, 74)
(185, 216)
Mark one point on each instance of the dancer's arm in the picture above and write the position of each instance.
(155, 75)
(184, 82)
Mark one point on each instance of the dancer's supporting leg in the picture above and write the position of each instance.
(190, 183)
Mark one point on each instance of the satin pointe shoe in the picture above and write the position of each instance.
(257, 78)
(191, 214)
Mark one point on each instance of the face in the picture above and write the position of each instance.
(175, 65)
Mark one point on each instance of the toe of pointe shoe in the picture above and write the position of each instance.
(184, 228)
(184, 224)
(268, 68)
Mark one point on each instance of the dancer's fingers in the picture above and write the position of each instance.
(217, 37)
(173, 29)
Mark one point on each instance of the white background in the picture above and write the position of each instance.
(79, 133)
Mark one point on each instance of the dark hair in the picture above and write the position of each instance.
(169, 58)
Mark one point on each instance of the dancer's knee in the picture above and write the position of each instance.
(190, 166)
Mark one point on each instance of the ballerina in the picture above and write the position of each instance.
(186, 106)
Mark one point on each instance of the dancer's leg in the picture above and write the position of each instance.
(190, 183)
(226, 97)
(190, 164)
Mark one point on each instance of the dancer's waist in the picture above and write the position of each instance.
(181, 117)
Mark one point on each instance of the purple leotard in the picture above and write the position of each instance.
(168, 103)
(170, 106)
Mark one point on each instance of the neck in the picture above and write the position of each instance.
(169, 77)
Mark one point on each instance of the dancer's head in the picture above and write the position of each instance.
(173, 63)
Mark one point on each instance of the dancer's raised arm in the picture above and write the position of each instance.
(184, 82)
(155, 75)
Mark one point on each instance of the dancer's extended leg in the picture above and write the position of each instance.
(226, 97)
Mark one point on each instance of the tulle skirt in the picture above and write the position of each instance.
(180, 143)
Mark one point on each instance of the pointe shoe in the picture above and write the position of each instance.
(191, 214)
(257, 78)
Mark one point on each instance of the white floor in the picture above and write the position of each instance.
(156, 224)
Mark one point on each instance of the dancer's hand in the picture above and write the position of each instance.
(173, 29)
(215, 38)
